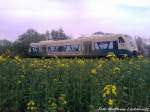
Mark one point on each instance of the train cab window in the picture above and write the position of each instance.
(121, 40)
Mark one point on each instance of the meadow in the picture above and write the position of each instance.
(73, 85)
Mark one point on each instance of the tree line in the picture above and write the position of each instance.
(21, 45)
(143, 46)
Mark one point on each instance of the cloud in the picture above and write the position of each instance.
(118, 10)
(77, 16)
(135, 3)
(34, 9)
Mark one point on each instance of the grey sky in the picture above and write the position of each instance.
(76, 17)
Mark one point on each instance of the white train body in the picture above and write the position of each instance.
(95, 45)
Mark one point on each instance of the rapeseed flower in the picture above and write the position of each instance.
(125, 55)
(18, 59)
(18, 82)
(31, 106)
(81, 62)
(99, 66)
(113, 87)
(62, 65)
(130, 62)
(110, 102)
(109, 89)
(97, 82)
(94, 72)
(111, 56)
(2, 59)
(116, 70)
(52, 105)
(31, 102)
(140, 57)
(62, 99)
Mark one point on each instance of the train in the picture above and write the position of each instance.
(87, 46)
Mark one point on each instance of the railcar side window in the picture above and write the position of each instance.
(104, 45)
(37, 49)
(61, 48)
(79, 48)
(51, 48)
(110, 45)
(121, 40)
(56, 49)
(33, 49)
(65, 48)
(68, 48)
(96, 46)
(75, 47)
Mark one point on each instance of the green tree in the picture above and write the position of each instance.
(140, 44)
(59, 35)
(48, 35)
(147, 47)
(5, 47)
(22, 44)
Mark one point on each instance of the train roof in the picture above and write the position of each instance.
(76, 40)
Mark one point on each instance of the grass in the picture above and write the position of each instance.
(73, 85)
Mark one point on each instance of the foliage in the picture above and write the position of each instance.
(58, 35)
(73, 85)
(5, 47)
(21, 46)
(140, 44)
(143, 46)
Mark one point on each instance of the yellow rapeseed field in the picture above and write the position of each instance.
(73, 85)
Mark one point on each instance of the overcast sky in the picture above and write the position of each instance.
(76, 17)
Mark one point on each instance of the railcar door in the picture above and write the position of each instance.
(87, 48)
(115, 45)
(44, 50)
